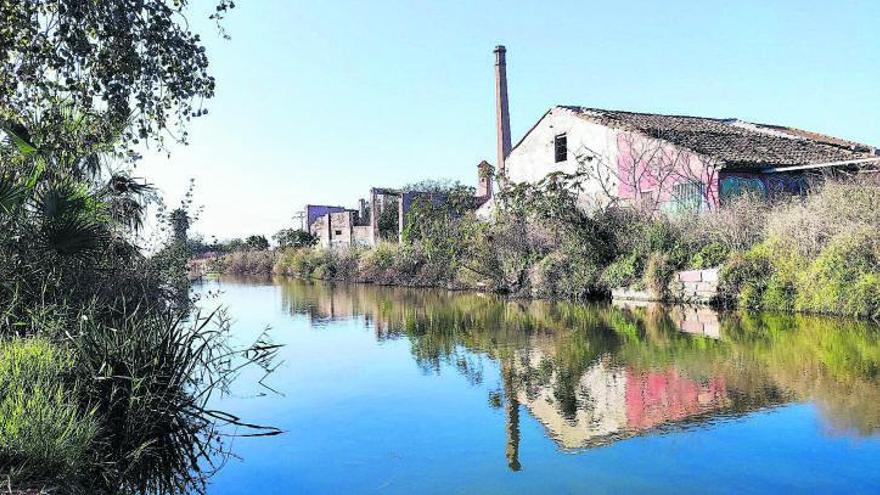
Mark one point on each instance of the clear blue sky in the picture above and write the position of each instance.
(318, 101)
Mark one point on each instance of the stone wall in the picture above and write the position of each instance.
(697, 286)
(690, 286)
(334, 229)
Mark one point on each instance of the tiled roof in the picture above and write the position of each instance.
(733, 142)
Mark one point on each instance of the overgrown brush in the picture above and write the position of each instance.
(250, 262)
(820, 254)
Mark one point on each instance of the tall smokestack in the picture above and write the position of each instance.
(501, 110)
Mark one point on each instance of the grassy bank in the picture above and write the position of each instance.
(46, 436)
(818, 253)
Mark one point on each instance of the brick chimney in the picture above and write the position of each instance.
(501, 110)
(484, 179)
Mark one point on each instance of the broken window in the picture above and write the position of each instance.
(560, 145)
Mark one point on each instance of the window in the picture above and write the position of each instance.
(560, 147)
(688, 195)
(338, 232)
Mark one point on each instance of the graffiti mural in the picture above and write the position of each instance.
(765, 185)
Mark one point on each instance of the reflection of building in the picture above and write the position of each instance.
(617, 402)
(658, 397)
(601, 392)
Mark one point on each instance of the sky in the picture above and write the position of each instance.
(316, 102)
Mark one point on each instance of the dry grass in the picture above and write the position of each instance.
(807, 225)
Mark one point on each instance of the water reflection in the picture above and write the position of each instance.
(596, 374)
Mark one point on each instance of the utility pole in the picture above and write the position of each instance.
(301, 216)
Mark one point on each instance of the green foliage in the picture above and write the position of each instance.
(150, 377)
(624, 271)
(294, 238)
(843, 278)
(256, 242)
(44, 434)
(658, 274)
(565, 275)
(709, 256)
(744, 276)
(146, 69)
(246, 263)
(388, 222)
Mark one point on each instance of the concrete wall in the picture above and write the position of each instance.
(315, 211)
(362, 235)
(534, 157)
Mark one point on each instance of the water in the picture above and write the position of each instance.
(389, 390)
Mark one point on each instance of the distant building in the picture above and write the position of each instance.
(339, 229)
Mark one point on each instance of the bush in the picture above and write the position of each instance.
(709, 256)
(376, 264)
(658, 274)
(624, 271)
(744, 277)
(566, 275)
(247, 262)
(842, 279)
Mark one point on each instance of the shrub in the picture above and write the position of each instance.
(807, 225)
(744, 277)
(251, 262)
(658, 274)
(624, 271)
(375, 265)
(842, 279)
(737, 225)
(150, 377)
(563, 274)
(709, 256)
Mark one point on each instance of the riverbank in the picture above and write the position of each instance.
(813, 254)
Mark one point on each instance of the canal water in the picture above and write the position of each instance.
(390, 390)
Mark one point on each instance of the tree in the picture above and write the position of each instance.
(646, 172)
(136, 64)
(256, 242)
(294, 238)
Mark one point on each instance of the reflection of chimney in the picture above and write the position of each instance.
(501, 110)
(511, 407)
(484, 179)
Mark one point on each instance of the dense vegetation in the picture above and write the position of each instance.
(106, 369)
(816, 253)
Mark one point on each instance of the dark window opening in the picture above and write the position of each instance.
(338, 232)
(560, 145)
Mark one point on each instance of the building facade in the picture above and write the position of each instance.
(664, 162)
